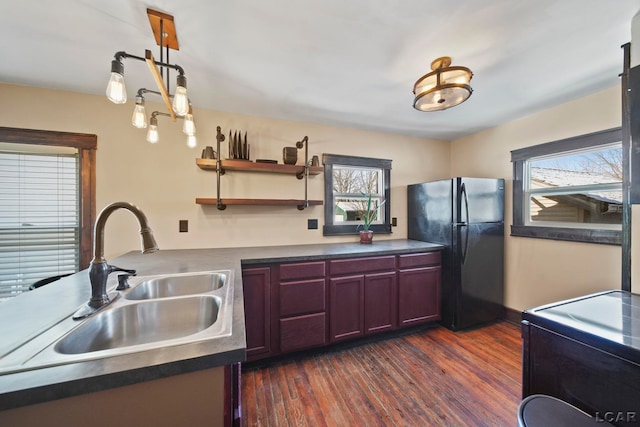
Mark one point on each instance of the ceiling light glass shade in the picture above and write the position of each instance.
(116, 91)
(443, 88)
(180, 99)
(189, 127)
(139, 117)
(192, 141)
(152, 132)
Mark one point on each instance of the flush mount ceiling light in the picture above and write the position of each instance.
(165, 35)
(442, 88)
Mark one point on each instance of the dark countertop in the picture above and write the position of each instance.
(24, 318)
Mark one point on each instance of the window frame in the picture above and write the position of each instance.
(520, 228)
(86, 144)
(329, 160)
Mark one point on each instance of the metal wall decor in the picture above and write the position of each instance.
(239, 150)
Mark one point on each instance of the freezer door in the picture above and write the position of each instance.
(479, 200)
(429, 211)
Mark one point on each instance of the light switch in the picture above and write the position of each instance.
(183, 225)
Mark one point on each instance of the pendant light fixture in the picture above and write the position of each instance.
(165, 35)
(444, 87)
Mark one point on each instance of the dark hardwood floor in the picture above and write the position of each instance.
(430, 377)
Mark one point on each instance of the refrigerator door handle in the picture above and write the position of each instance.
(463, 190)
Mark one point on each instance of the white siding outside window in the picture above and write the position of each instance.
(570, 189)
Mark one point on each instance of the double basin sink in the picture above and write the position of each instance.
(155, 312)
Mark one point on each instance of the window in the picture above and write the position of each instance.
(47, 207)
(570, 189)
(348, 182)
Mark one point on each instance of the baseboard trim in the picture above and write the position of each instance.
(512, 316)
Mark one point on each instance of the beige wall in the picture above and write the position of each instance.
(163, 179)
(541, 271)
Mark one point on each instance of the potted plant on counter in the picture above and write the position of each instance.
(368, 215)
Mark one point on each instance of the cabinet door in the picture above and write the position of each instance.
(418, 295)
(346, 307)
(257, 303)
(380, 302)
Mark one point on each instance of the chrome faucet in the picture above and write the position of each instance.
(99, 270)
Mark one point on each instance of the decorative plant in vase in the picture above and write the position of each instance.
(368, 216)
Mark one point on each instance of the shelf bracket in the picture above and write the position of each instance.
(219, 170)
(300, 144)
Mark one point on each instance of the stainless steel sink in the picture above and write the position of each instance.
(159, 311)
(177, 285)
(142, 323)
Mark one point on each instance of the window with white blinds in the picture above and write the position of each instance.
(39, 217)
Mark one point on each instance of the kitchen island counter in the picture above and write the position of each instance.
(27, 316)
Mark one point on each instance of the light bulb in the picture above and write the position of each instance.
(116, 91)
(189, 127)
(180, 99)
(152, 133)
(192, 141)
(139, 118)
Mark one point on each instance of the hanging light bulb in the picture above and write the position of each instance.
(189, 127)
(152, 133)
(116, 91)
(192, 141)
(139, 118)
(180, 99)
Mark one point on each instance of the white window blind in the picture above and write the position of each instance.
(39, 218)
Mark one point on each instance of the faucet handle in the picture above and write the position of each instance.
(122, 281)
(113, 268)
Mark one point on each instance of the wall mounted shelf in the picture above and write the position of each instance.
(220, 166)
(300, 204)
(249, 166)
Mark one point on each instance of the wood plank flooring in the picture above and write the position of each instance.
(429, 377)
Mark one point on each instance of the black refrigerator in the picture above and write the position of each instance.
(466, 215)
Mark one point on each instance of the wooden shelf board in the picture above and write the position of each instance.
(249, 166)
(263, 202)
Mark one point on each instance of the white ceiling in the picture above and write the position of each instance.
(346, 63)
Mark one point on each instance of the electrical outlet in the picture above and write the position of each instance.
(394, 221)
(312, 224)
(183, 225)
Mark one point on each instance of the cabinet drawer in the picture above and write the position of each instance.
(302, 270)
(302, 332)
(302, 297)
(419, 260)
(362, 265)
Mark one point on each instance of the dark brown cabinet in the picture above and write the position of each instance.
(301, 305)
(257, 311)
(418, 288)
(365, 300)
(380, 302)
(347, 307)
(300, 301)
